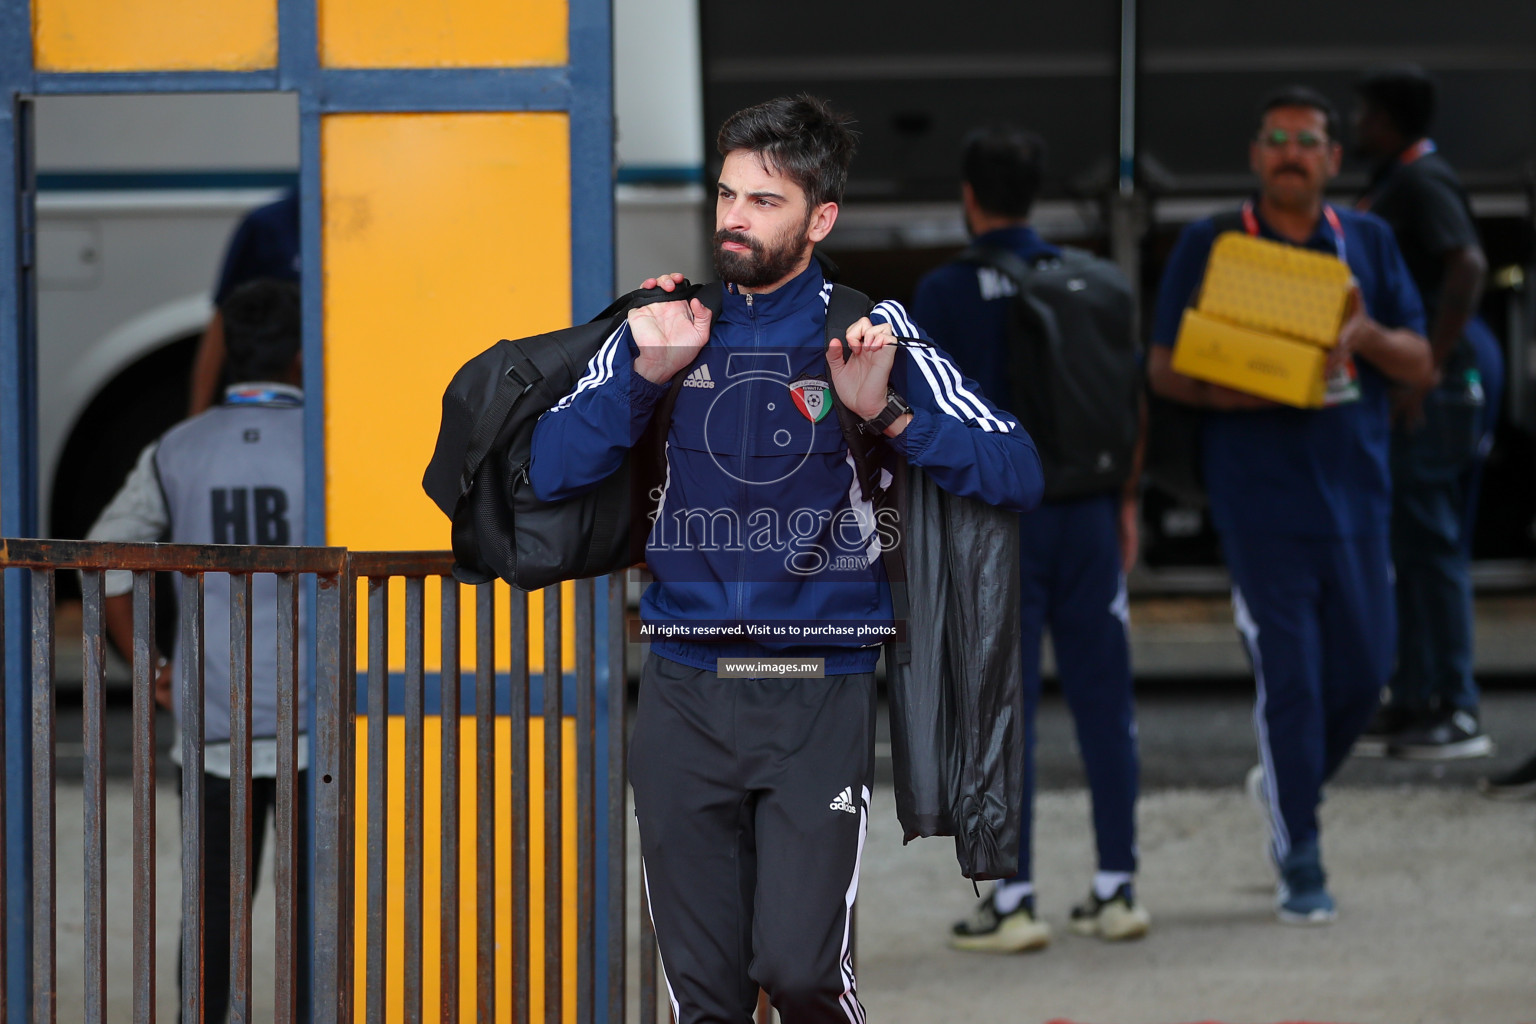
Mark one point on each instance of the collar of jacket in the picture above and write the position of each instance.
(790, 299)
(1019, 238)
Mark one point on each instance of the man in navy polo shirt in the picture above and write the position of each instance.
(1072, 557)
(1302, 498)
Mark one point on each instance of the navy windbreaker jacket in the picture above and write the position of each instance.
(761, 536)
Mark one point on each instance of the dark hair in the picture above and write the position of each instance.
(1404, 93)
(263, 328)
(1003, 165)
(800, 137)
(1301, 96)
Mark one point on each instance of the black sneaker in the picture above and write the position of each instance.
(1450, 736)
(1391, 720)
(1519, 784)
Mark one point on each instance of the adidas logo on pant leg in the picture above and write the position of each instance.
(699, 378)
(844, 801)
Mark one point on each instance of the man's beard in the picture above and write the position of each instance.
(763, 265)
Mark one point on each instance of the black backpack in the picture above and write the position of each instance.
(1074, 370)
(478, 474)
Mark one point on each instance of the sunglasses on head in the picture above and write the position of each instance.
(1277, 138)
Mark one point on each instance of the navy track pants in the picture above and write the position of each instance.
(1319, 622)
(1070, 581)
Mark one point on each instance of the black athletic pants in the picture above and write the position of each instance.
(753, 801)
(216, 888)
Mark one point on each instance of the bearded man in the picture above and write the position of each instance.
(753, 752)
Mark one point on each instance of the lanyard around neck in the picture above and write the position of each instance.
(261, 396)
(1251, 225)
(1417, 151)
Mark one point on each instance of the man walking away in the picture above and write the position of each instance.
(232, 475)
(1077, 546)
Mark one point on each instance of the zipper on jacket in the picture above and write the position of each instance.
(740, 603)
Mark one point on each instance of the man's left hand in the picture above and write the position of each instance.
(1130, 533)
(861, 366)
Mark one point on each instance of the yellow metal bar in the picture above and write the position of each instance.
(432, 867)
(432, 626)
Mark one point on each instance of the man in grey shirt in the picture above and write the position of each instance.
(232, 475)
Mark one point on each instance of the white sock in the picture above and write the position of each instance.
(1008, 895)
(1106, 882)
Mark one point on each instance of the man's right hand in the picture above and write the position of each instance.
(666, 282)
(161, 685)
(668, 335)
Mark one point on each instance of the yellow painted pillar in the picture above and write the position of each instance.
(442, 232)
(154, 35)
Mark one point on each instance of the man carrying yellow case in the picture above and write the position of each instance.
(1267, 312)
(1302, 497)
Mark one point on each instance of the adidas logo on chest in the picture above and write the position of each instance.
(699, 378)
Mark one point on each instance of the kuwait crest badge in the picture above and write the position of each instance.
(811, 398)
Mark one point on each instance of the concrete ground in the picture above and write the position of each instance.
(1436, 888)
(70, 865)
(1437, 918)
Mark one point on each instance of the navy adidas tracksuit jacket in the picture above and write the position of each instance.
(752, 794)
(761, 523)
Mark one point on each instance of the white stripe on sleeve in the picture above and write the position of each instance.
(599, 368)
(944, 377)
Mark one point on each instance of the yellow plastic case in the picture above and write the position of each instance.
(1255, 362)
(1281, 289)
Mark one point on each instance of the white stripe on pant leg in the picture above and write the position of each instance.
(645, 881)
(1120, 607)
(849, 999)
(1280, 836)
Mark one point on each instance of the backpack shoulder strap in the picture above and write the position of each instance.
(711, 295)
(844, 307)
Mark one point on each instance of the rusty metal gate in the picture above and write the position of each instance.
(600, 974)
